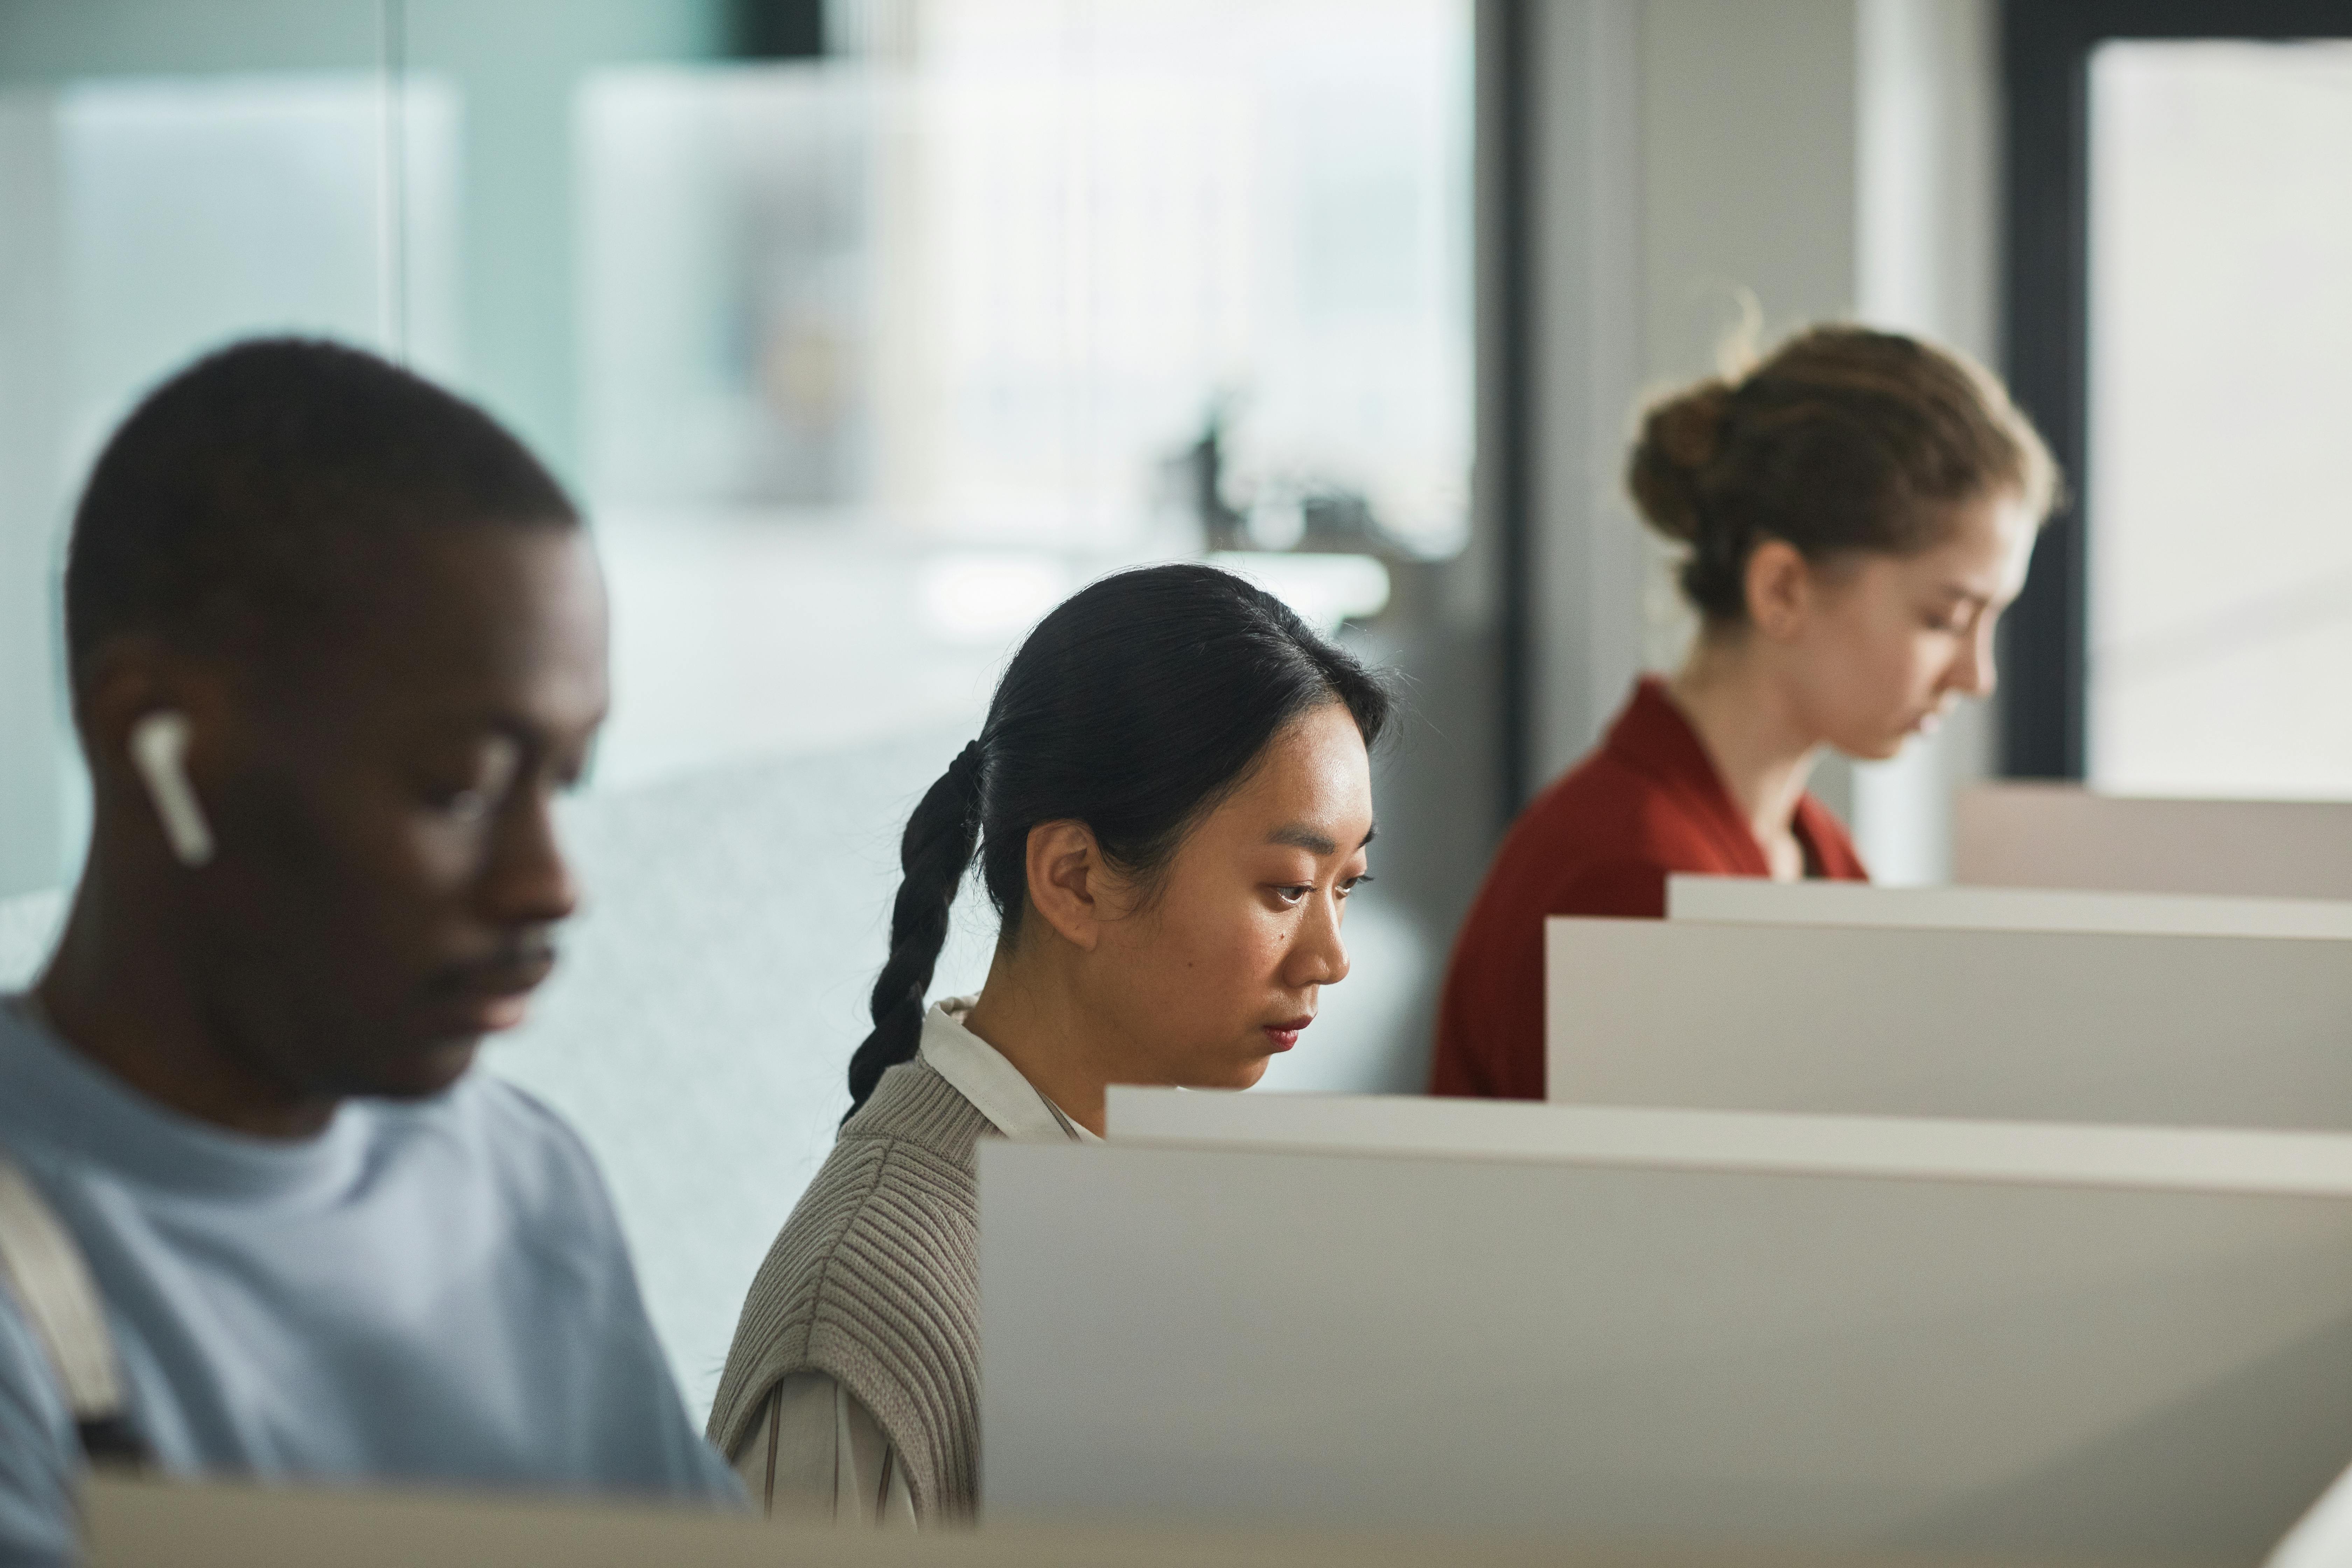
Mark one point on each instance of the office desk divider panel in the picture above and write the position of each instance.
(2213, 1160)
(140, 1524)
(2002, 1024)
(1755, 901)
(1618, 1342)
(2061, 836)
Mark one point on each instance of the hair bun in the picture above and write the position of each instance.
(1680, 436)
(1688, 428)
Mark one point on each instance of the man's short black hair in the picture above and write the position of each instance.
(240, 496)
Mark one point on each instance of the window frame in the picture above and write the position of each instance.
(2046, 48)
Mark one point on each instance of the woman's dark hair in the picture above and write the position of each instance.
(1844, 439)
(1135, 707)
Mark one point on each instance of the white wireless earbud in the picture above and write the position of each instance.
(159, 749)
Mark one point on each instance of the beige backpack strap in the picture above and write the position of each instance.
(43, 1269)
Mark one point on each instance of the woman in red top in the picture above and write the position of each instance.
(1858, 510)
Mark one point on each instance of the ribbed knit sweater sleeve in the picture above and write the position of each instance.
(875, 1281)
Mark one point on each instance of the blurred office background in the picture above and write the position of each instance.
(866, 330)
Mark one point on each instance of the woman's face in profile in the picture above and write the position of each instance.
(1220, 966)
(1896, 640)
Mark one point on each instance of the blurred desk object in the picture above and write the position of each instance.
(1752, 900)
(137, 1524)
(1660, 1328)
(2163, 1030)
(2062, 836)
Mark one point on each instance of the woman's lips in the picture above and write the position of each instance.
(1931, 718)
(1286, 1035)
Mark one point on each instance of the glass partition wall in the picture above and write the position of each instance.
(860, 362)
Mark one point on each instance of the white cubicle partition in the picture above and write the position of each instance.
(1656, 1327)
(2061, 836)
(2032, 1026)
(1755, 901)
(2088, 1154)
(142, 1524)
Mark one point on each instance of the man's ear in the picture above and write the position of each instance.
(131, 679)
(1780, 589)
(1069, 885)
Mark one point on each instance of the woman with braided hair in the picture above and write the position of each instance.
(1856, 512)
(1169, 802)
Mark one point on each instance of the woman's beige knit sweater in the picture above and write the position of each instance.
(875, 1281)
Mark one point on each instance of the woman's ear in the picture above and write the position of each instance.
(1780, 589)
(1069, 885)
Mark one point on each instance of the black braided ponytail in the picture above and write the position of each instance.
(933, 855)
(1135, 707)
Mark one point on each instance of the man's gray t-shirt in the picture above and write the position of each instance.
(433, 1291)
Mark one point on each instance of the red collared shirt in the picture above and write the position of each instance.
(1601, 841)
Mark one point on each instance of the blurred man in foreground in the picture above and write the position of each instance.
(336, 641)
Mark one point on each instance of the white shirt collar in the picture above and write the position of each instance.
(995, 1088)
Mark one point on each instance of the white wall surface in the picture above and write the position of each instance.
(1748, 147)
(2059, 835)
(1753, 899)
(1591, 560)
(2184, 1031)
(1651, 1354)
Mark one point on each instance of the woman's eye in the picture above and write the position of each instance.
(1293, 895)
(1352, 883)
